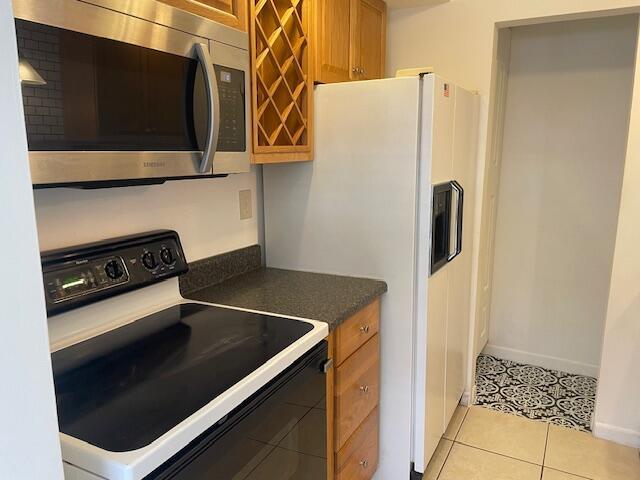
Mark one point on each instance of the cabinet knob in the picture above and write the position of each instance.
(364, 463)
(361, 71)
(365, 388)
(364, 329)
(354, 70)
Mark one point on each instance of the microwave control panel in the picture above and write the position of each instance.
(231, 90)
(94, 272)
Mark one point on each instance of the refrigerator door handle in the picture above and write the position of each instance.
(455, 186)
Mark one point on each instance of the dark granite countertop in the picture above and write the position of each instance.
(316, 296)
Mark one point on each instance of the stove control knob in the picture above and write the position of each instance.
(113, 270)
(166, 255)
(149, 260)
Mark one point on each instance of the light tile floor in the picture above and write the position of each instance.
(482, 444)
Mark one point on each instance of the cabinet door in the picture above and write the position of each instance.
(333, 37)
(232, 13)
(368, 39)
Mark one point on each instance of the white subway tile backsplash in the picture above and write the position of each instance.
(44, 115)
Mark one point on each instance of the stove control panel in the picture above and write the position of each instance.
(84, 278)
(88, 273)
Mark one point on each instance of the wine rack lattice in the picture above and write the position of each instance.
(282, 81)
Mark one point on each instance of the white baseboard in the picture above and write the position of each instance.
(466, 398)
(553, 363)
(624, 436)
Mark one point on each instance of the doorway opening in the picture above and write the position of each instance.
(559, 119)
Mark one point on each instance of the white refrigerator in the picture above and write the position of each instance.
(364, 207)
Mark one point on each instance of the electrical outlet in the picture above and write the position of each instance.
(245, 204)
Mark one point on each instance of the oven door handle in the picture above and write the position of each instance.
(213, 98)
(455, 186)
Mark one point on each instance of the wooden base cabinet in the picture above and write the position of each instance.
(353, 393)
(350, 40)
(358, 458)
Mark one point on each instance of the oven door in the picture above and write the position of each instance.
(109, 97)
(278, 433)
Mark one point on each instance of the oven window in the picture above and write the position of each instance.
(103, 95)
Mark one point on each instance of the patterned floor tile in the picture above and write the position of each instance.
(535, 392)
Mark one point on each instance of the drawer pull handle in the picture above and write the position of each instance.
(365, 388)
(364, 463)
(364, 329)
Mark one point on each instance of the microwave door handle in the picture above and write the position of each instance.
(209, 150)
(456, 187)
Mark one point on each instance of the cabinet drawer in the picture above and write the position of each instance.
(358, 459)
(356, 330)
(357, 389)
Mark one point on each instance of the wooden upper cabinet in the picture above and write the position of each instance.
(281, 80)
(368, 38)
(333, 40)
(232, 13)
(350, 40)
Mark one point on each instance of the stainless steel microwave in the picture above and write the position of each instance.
(117, 92)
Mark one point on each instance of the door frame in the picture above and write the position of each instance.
(488, 184)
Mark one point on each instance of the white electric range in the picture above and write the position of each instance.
(150, 385)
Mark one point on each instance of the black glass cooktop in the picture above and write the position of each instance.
(123, 389)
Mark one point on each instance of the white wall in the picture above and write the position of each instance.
(29, 445)
(457, 38)
(564, 142)
(204, 212)
(617, 414)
